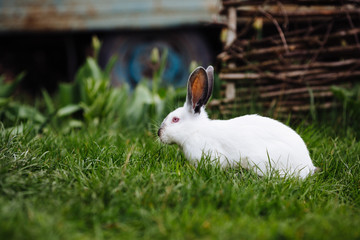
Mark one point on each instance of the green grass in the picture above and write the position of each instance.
(113, 184)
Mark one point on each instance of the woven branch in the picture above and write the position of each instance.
(307, 47)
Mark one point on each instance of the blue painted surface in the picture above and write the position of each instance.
(138, 64)
(134, 64)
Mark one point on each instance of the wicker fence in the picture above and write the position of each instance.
(288, 54)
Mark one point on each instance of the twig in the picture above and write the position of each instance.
(277, 26)
(323, 42)
(283, 10)
(352, 26)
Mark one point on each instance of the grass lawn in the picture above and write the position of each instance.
(101, 183)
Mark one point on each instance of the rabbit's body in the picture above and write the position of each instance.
(251, 141)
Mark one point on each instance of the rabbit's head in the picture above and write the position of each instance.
(179, 125)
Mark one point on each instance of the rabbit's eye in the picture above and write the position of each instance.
(175, 119)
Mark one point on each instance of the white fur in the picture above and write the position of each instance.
(251, 141)
(254, 142)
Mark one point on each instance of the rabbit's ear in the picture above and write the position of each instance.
(197, 89)
(210, 75)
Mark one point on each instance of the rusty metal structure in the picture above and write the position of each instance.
(55, 15)
(285, 55)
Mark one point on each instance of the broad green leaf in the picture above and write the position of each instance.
(341, 93)
(94, 68)
(48, 101)
(16, 130)
(141, 96)
(75, 123)
(110, 65)
(6, 89)
(67, 94)
(30, 113)
(68, 110)
(4, 101)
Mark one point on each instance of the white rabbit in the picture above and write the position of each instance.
(251, 141)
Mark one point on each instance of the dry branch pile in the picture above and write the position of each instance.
(288, 54)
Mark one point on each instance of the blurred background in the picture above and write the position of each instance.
(89, 60)
(50, 39)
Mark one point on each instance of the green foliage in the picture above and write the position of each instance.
(7, 89)
(90, 93)
(91, 100)
(97, 98)
(14, 114)
(152, 102)
(350, 99)
(99, 184)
